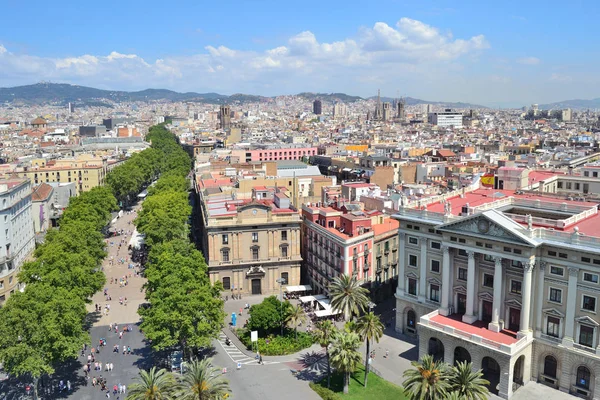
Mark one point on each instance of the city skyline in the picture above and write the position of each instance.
(494, 55)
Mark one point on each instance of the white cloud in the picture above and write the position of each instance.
(302, 62)
(560, 78)
(529, 60)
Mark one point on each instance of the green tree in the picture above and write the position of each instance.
(345, 356)
(153, 385)
(370, 328)
(203, 381)
(169, 183)
(427, 380)
(268, 316)
(325, 333)
(348, 296)
(39, 328)
(295, 316)
(468, 384)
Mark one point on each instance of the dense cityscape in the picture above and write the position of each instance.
(345, 242)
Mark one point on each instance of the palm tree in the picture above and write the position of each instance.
(295, 315)
(325, 333)
(426, 381)
(370, 328)
(348, 296)
(345, 356)
(203, 381)
(468, 384)
(153, 385)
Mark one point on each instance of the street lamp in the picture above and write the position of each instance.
(281, 282)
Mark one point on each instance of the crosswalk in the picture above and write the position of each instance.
(237, 356)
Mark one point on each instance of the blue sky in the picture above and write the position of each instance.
(492, 53)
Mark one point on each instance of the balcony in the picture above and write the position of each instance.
(477, 333)
(584, 348)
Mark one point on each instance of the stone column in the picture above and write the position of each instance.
(539, 317)
(470, 316)
(495, 324)
(569, 337)
(401, 261)
(423, 271)
(446, 281)
(526, 298)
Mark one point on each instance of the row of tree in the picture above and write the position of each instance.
(185, 310)
(44, 325)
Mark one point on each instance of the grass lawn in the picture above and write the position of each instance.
(377, 388)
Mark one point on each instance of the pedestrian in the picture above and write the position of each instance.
(110, 327)
(99, 366)
(120, 335)
(94, 381)
(124, 388)
(260, 361)
(128, 349)
(124, 349)
(69, 385)
(120, 387)
(387, 353)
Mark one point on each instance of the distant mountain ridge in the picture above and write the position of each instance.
(577, 104)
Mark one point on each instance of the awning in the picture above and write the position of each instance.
(326, 313)
(347, 169)
(306, 299)
(299, 288)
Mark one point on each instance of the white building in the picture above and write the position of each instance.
(16, 232)
(446, 119)
(506, 281)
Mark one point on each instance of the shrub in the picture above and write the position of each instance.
(323, 392)
(278, 345)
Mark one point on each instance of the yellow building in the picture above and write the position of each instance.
(87, 171)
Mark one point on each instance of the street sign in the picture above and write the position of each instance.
(254, 336)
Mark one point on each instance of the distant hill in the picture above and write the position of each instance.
(63, 93)
(411, 101)
(575, 104)
(330, 97)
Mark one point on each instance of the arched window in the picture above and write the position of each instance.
(550, 365)
(411, 319)
(583, 378)
(284, 276)
(226, 283)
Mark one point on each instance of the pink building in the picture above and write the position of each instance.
(294, 153)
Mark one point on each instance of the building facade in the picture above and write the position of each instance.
(86, 171)
(507, 282)
(446, 119)
(225, 117)
(339, 239)
(251, 244)
(17, 238)
(274, 154)
(317, 107)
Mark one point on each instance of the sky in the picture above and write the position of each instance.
(494, 53)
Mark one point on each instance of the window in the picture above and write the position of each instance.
(412, 286)
(436, 245)
(586, 259)
(559, 185)
(226, 283)
(284, 235)
(284, 251)
(479, 244)
(586, 335)
(515, 263)
(434, 293)
(224, 239)
(412, 260)
(462, 274)
(589, 303)
(488, 246)
(255, 253)
(254, 237)
(555, 295)
(557, 271)
(225, 255)
(284, 277)
(413, 240)
(562, 255)
(488, 280)
(583, 378)
(593, 278)
(515, 287)
(462, 252)
(517, 251)
(460, 240)
(551, 253)
(553, 326)
(435, 266)
(488, 257)
(586, 173)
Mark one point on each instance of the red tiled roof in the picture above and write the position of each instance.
(41, 192)
(477, 328)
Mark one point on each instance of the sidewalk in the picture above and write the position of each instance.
(133, 290)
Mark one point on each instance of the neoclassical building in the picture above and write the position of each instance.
(507, 281)
(250, 244)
